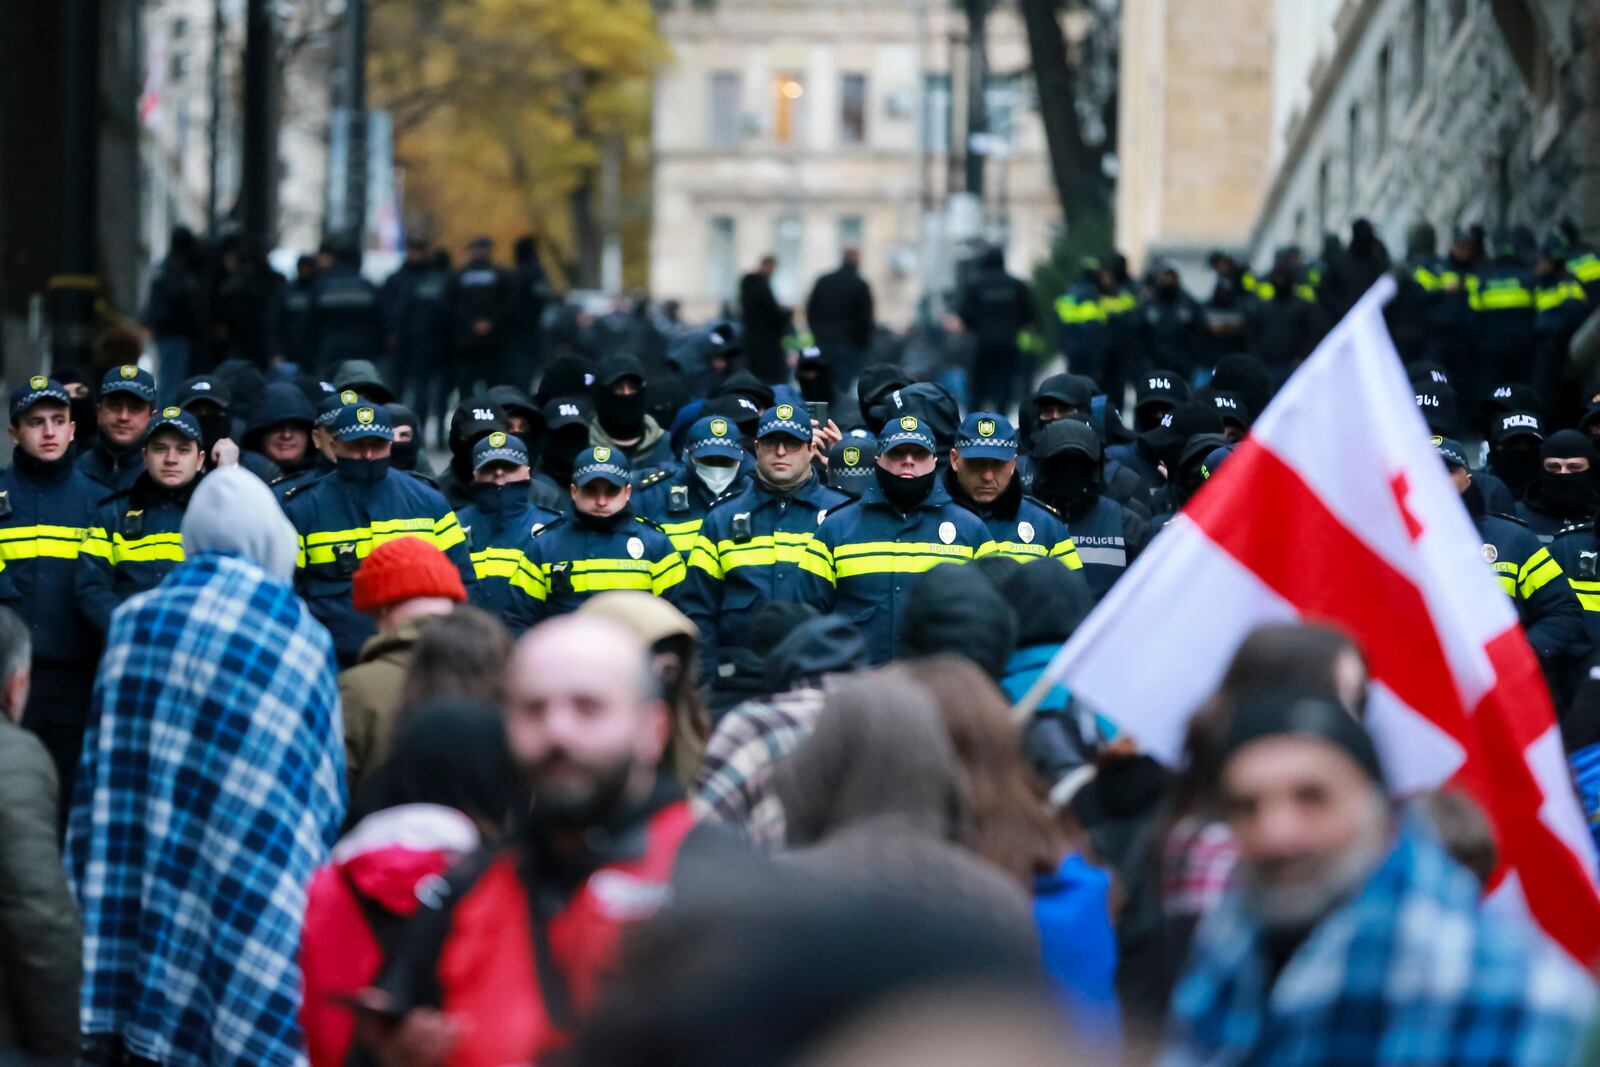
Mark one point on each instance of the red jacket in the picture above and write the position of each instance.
(388, 857)
(482, 949)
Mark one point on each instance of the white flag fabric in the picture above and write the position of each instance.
(1338, 509)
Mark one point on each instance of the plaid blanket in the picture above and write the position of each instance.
(1411, 970)
(211, 788)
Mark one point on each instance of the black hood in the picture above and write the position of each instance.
(829, 644)
(1058, 601)
(958, 610)
(931, 403)
(279, 402)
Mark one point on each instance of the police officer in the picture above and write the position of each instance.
(996, 308)
(127, 400)
(602, 545)
(867, 553)
(45, 509)
(481, 296)
(1560, 307)
(500, 525)
(1084, 334)
(1551, 617)
(1106, 533)
(1500, 295)
(622, 421)
(362, 504)
(134, 539)
(851, 461)
(748, 552)
(475, 418)
(280, 430)
(1565, 491)
(1171, 324)
(345, 306)
(566, 436)
(678, 500)
(983, 479)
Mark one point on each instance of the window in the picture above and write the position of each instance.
(1001, 94)
(722, 258)
(852, 228)
(853, 109)
(936, 114)
(1381, 135)
(722, 118)
(1525, 37)
(788, 117)
(787, 233)
(1419, 46)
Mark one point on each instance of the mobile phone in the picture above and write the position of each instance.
(818, 410)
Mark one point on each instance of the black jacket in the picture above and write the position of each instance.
(840, 309)
(765, 323)
(115, 471)
(996, 307)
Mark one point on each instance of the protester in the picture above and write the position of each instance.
(1302, 953)
(459, 655)
(447, 787)
(587, 733)
(212, 765)
(41, 968)
(403, 585)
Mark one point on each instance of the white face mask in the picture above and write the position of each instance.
(717, 479)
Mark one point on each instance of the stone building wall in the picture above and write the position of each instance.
(1446, 111)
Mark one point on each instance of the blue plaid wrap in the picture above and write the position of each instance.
(1410, 970)
(211, 788)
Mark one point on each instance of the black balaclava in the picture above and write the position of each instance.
(403, 454)
(82, 408)
(561, 448)
(621, 416)
(1068, 476)
(905, 493)
(214, 426)
(815, 379)
(474, 418)
(1568, 495)
(363, 471)
(1516, 462)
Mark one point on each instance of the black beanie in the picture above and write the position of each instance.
(956, 609)
(1299, 713)
(1569, 444)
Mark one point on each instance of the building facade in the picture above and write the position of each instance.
(802, 127)
(1194, 135)
(1450, 112)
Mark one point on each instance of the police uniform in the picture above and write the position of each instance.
(1023, 529)
(135, 538)
(102, 464)
(748, 552)
(867, 553)
(1546, 604)
(45, 510)
(500, 525)
(677, 499)
(1084, 334)
(577, 556)
(851, 461)
(1576, 551)
(341, 518)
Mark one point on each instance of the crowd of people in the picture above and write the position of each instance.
(691, 711)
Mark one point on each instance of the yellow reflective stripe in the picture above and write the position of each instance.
(498, 562)
(1067, 553)
(667, 573)
(1306, 293)
(96, 544)
(1588, 593)
(1509, 584)
(162, 547)
(1538, 572)
(988, 548)
(1074, 312)
(447, 532)
(529, 580)
(1022, 553)
(764, 551)
(704, 556)
(1499, 298)
(1585, 267)
(41, 542)
(818, 562)
(1427, 279)
(683, 534)
(858, 566)
(904, 548)
(1118, 304)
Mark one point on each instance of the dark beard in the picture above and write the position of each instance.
(606, 791)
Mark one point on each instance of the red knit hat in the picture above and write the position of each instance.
(403, 569)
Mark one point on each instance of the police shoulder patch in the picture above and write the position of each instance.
(540, 531)
(841, 506)
(652, 479)
(1036, 502)
(641, 520)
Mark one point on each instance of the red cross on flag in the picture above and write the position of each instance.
(1337, 509)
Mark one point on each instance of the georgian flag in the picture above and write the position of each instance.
(1337, 509)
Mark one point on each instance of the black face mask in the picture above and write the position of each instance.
(1570, 495)
(905, 493)
(816, 386)
(364, 471)
(403, 454)
(213, 428)
(1148, 418)
(1070, 487)
(498, 500)
(621, 416)
(1518, 467)
(83, 418)
(560, 452)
